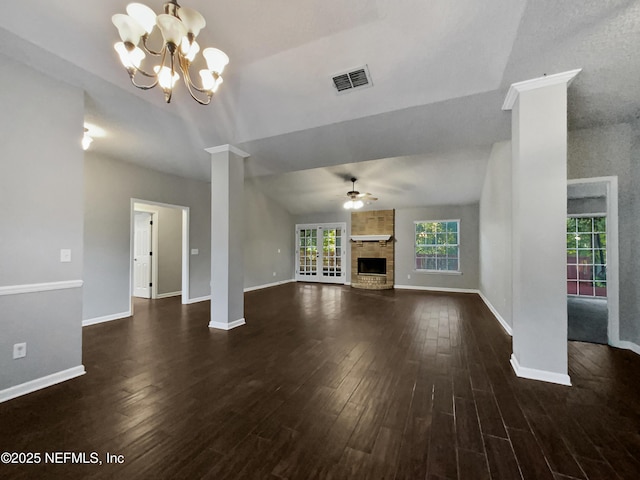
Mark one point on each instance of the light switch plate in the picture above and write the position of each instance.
(65, 255)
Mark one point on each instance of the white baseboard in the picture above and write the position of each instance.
(106, 318)
(167, 295)
(39, 287)
(503, 322)
(436, 289)
(40, 383)
(227, 326)
(267, 285)
(196, 300)
(634, 347)
(542, 375)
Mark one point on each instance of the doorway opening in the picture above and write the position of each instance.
(159, 245)
(592, 260)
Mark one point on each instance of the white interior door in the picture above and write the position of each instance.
(142, 255)
(320, 253)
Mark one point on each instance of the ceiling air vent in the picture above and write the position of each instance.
(355, 78)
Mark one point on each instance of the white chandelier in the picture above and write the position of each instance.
(179, 27)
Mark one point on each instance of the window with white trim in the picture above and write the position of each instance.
(587, 256)
(437, 245)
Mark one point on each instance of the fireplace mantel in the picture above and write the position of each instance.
(370, 238)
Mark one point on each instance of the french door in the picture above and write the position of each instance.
(320, 252)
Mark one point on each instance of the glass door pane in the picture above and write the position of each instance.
(332, 254)
(307, 251)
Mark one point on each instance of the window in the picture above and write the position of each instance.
(437, 246)
(587, 256)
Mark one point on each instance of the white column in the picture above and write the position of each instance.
(539, 214)
(227, 237)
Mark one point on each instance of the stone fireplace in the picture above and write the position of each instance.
(372, 249)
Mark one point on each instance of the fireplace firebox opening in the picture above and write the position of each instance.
(372, 266)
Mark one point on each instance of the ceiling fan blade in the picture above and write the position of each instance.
(368, 196)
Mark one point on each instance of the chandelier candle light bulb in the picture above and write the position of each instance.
(130, 59)
(179, 27)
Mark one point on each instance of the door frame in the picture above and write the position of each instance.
(613, 272)
(342, 279)
(185, 247)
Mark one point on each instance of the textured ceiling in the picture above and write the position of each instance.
(440, 71)
(442, 179)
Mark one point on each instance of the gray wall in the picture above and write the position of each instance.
(469, 250)
(607, 151)
(41, 124)
(495, 231)
(268, 227)
(169, 254)
(333, 217)
(109, 187)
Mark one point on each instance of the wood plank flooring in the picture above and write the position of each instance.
(328, 382)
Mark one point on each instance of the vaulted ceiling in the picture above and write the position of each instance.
(440, 70)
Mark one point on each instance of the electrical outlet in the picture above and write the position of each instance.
(195, 251)
(409, 276)
(65, 255)
(274, 274)
(19, 350)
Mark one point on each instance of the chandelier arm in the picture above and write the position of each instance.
(162, 52)
(197, 99)
(168, 93)
(143, 87)
(146, 74)
(184, 66)
(148, 49)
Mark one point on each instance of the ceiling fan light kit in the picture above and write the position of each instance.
(354, 202)
(179, 27)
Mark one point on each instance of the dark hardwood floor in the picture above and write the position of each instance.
(328, 382)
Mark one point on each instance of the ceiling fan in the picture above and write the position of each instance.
(356, 199)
